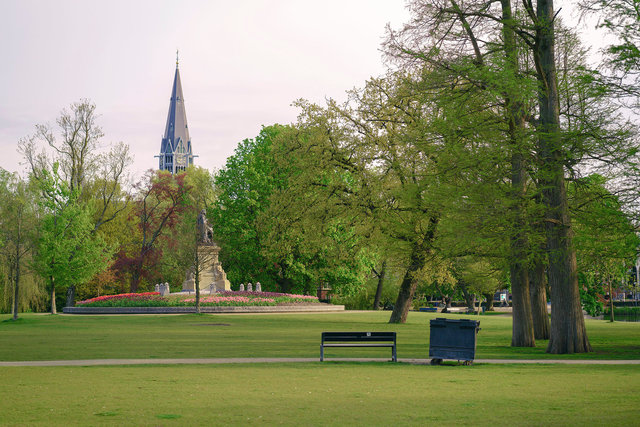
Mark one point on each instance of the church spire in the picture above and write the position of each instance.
(175, 148)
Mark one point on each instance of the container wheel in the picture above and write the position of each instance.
(436, 361)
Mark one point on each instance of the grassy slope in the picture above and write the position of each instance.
(321, 394)
(45, 337)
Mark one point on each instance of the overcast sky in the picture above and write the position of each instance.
(242, 64)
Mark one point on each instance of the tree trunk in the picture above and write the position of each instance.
(408, 286)
(53, 295)
(405, 297)
(197, 280)
(135, 278)
(538, 291)
(16, 288)
(611, 300)
(522, 330)
(446, 304)
(419, 252)
(489, 301)
(376, 299)
(568, 333)
(522, 326)
(469, 298)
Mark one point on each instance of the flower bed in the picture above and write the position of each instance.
(222, 299)
(144, 299)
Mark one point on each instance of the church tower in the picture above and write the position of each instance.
(175, 149)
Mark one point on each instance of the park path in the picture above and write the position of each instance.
(214, 361)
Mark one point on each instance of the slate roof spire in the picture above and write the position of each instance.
(175, 149)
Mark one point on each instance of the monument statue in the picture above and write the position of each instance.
(212, 276)
(205, 232)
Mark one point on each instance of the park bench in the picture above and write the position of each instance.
(359, 339)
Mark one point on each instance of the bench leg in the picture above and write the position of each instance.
(395, 356)
(321, 353)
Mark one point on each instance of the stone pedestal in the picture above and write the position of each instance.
(212, 276)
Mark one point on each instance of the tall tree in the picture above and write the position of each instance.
(17, 226)
(365, 166)
(96, 176)
(244, 186)
(161, 198)
(463, 40)
(567, 334)
(67, 252)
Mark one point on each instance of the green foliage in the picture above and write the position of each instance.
(243, 188)
(256, 222)
(18, 225)
(591, 294)
(361, 298)
(605, 239)
(622, 19)
(68, 252)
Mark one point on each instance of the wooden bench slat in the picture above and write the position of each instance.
(359, 345)
(358, 339)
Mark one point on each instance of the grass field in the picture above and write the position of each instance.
(380, 394)
(45, 337)
(329, 393)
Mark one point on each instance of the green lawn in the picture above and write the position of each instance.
(329, 393)
(384, 394)
(46, 337)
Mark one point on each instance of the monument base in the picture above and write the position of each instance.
(212, 276)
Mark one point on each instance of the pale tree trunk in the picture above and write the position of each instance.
(16, 287)
(522, 326)
(53, 295)
(538, 291)
(568, 334)
(611, 300)
(197, 280)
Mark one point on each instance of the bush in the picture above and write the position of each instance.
(591, 302)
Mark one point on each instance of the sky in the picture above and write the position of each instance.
(242, 64)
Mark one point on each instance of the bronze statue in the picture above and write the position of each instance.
(205, 232)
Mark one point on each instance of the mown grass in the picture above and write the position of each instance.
(46, 337)
(329, 393)
(321, 394)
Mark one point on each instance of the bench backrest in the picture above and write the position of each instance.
(359, 336)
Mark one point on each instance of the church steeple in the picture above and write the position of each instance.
(175, 148)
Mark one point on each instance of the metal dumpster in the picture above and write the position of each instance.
(453, 339)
